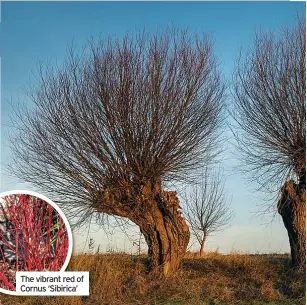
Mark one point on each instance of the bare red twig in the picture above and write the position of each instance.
(36, 238)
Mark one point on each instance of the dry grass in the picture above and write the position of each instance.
(118, 279)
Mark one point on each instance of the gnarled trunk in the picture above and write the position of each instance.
(157, 214)
(165, 231)
(292, 208)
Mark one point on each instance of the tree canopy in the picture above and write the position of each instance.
(119, 115)
(270, 107)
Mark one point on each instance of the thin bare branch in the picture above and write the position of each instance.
(121, 115)
(270, 108)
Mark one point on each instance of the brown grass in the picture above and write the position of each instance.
(121, 279)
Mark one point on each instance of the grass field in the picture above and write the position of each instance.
(216, 279)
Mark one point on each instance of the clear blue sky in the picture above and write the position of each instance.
(43, 30)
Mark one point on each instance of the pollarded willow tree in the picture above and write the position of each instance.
(270, 100)
(111, 125)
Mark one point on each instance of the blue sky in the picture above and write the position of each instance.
(43, 30)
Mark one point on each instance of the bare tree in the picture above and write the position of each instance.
(113, 123)
(270, 100)
(207, 209)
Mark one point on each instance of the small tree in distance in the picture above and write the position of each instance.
(112, 124)
(207, 209)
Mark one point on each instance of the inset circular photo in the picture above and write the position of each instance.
(34, 236)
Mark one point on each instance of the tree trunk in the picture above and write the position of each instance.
(165, 231)
(202, 246)
(158, 216)
(292, 208)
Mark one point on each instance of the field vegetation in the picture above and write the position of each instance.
(215, 279)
